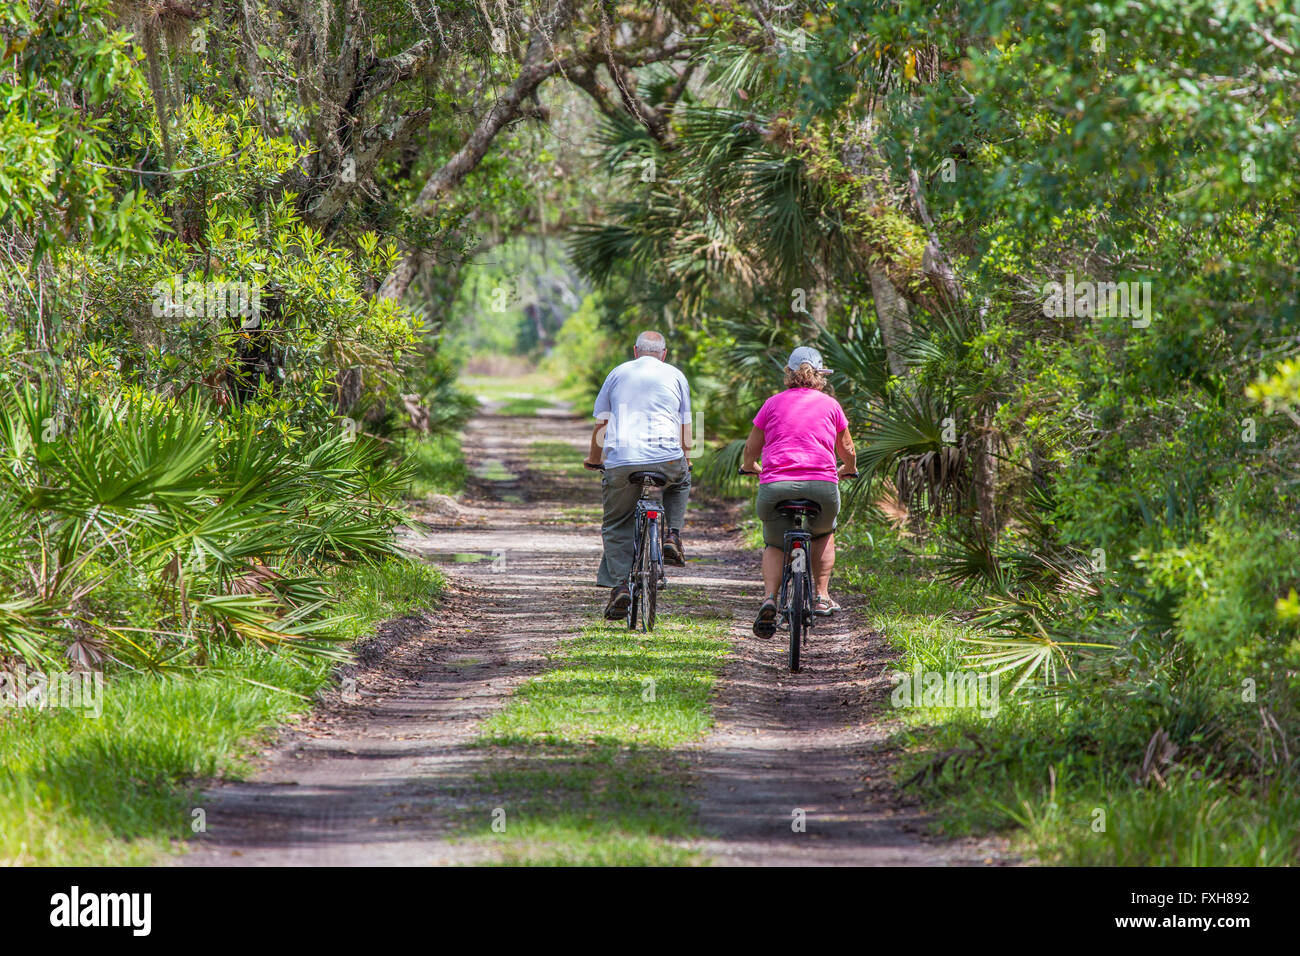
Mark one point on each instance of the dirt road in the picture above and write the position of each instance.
(383, 769)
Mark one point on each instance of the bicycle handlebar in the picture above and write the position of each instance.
(742, 471)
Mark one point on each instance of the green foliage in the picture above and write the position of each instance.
(513, 300)
(52, 152)
(437, 466)
(148, 531)
(1227, 590)
(584, 352)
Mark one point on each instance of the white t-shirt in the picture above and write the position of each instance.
(646, 402)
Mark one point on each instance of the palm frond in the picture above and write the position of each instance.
(719, 468)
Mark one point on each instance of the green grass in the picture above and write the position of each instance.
(598, 691)
(582, 761)
(503, 388)
(601, 805)
(494, 470)
(439, 466)
(119, 789)
(578, 514)
(371, 593)
(1194, 822)
(914, 608)
(525, 407)
(561, 458)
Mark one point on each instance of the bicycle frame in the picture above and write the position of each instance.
(649, 511)
(798, 557)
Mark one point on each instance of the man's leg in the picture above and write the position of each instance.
(677, 492)
(616, 529)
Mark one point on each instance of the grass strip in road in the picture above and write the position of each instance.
(563, 459)
(117, 789)
(583, 770)
(506, 387)
(526, 407)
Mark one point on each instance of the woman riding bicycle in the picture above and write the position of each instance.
(798, 433)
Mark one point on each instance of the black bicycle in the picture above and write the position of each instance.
(647, 574)
(795, 599)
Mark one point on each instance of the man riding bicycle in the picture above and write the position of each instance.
(644, 413)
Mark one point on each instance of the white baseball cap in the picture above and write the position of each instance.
(806, 353)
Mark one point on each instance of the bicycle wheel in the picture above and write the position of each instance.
(796, 617)
(636, 600)
(634, 578)
(649, 575)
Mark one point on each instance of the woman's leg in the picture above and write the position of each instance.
(823, 555)
(773, 565)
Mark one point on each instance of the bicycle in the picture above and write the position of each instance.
(795, 597)
(647, 575)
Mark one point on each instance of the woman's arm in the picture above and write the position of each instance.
(753, 448)
(847, 453)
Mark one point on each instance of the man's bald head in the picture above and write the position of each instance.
(650, 343)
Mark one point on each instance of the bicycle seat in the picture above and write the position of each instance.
(656, 478)
(802, 505)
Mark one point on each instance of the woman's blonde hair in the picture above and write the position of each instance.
(805, 376)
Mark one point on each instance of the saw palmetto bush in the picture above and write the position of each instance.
(141, 530)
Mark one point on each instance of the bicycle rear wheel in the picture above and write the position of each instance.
(634, 577)
(649, 575)
(797, 587)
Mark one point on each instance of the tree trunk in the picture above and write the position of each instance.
(986, 472)
(894, 316)
(347, 389)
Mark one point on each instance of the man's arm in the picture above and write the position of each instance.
(595, 455)
(684, 414)
(753, 448)
(603, 412)
(847, 452)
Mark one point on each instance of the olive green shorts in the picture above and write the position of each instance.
(775, 525)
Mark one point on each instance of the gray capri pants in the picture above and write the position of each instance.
(775, 525)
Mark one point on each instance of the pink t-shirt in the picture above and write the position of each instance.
(799, 427)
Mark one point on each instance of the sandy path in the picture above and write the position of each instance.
(384, 775)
